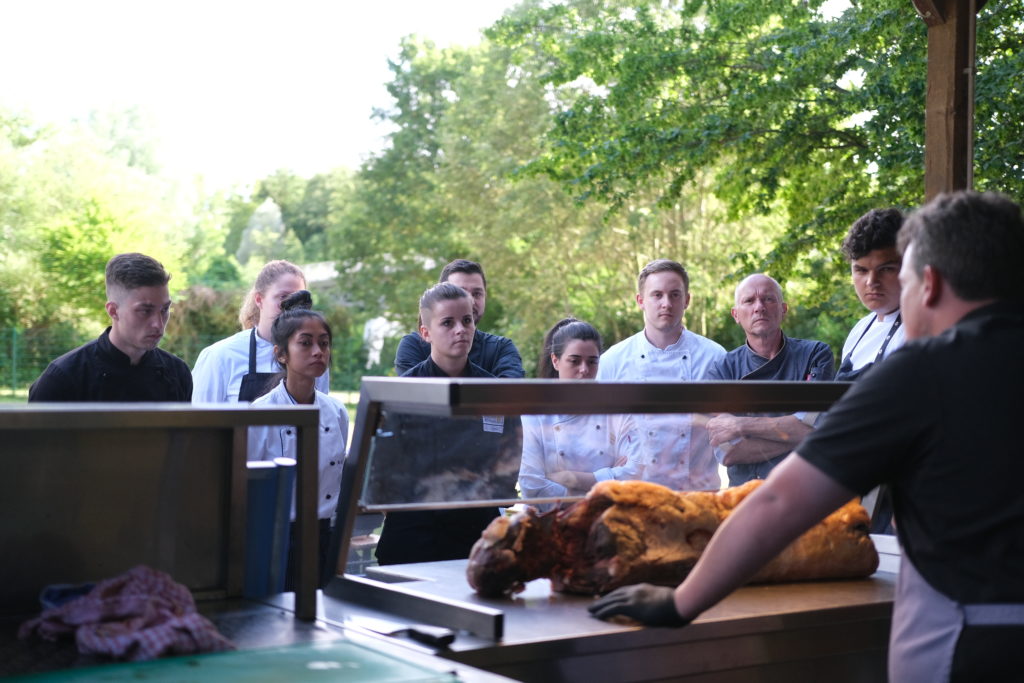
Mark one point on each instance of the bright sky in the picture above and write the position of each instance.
(234, 90)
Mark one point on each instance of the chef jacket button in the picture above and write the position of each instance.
(558, 428)
(327, 429)
(332, 462)
(328, 496)
(650, 433)
(561, 453)
(288, 432)
(597, 426)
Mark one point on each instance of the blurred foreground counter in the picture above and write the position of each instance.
(272, 646)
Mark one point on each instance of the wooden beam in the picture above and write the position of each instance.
(949, 105)
(929, 11)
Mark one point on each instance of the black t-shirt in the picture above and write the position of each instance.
(940, 421)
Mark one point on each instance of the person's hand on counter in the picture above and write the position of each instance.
(644, 602)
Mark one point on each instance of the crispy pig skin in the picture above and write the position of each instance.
(630, 532)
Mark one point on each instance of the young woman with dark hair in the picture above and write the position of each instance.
(302, 348)
(564, 455)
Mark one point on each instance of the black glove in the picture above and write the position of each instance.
(645, 602)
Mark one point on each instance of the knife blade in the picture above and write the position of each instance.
(434, 636)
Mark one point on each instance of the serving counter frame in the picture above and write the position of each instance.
(827, 630)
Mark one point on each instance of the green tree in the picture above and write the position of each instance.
(395, 232)
(818, 117)
(200, 316)
(69, 204)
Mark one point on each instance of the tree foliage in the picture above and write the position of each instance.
(818, 117)
(70, 201)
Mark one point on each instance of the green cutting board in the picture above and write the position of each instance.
(340, 660)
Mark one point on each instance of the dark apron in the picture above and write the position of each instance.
(926, 626)
(254, 384)
(846, 373)
(881, 516)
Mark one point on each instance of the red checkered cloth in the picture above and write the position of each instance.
(141, 614)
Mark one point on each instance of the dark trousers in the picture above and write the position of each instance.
(326, 569)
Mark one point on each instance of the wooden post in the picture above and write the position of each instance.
(949, 106)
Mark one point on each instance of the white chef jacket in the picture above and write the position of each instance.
(579, 443)
(220, 367)
(865, 350)
(675, 452)
(275, 441)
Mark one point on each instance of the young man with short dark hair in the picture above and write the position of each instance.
(870, 247)
(124, 363)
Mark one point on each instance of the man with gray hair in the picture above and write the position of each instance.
(124, 363)
(939, 421)
(750, 446)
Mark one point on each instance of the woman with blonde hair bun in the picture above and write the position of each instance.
(241, 367)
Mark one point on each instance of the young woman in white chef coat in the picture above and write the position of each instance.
(302, 347)
(242, 366)
(565, 455)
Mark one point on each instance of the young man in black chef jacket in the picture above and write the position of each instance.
(124, 363)
(938, 421)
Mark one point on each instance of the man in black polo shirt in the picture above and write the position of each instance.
(939, 422)
(124, 363)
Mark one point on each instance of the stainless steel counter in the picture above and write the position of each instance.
(828, 630)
